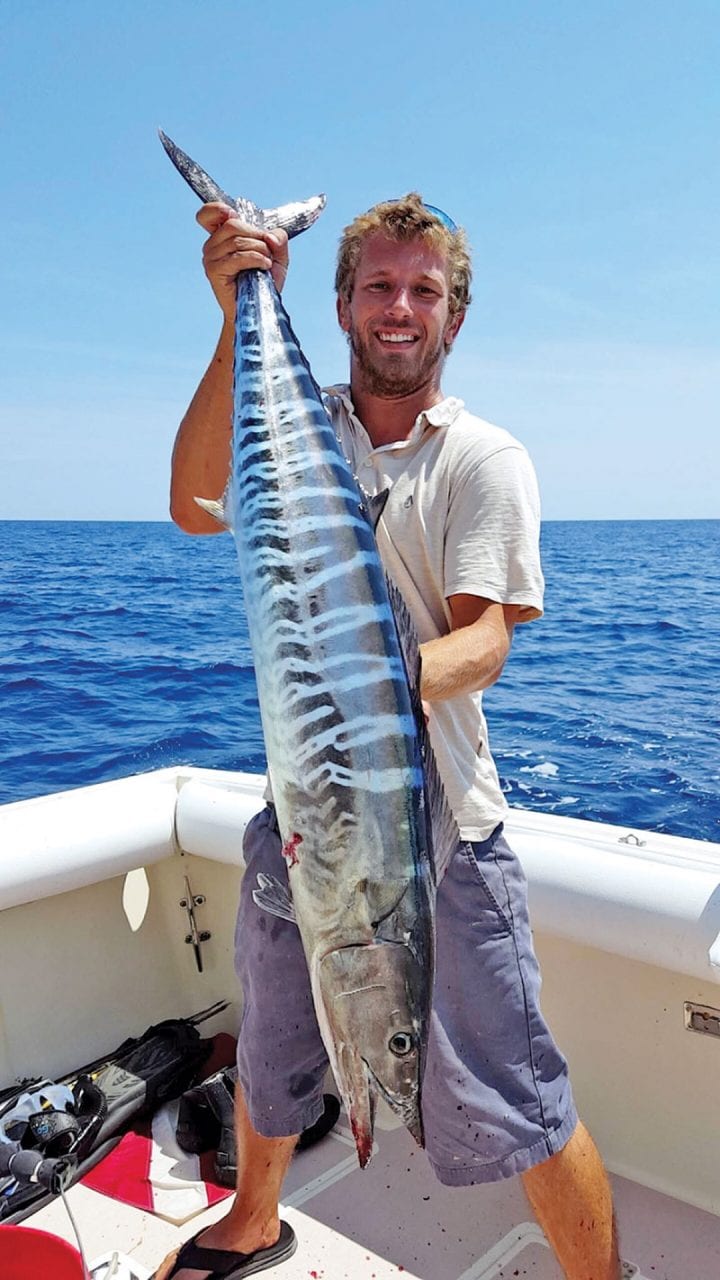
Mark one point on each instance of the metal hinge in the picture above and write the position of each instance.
(701, 1017)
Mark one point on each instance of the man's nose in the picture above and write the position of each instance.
(399, 305)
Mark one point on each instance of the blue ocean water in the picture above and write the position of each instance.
(123, 648)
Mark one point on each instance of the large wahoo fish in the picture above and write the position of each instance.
(353, 780)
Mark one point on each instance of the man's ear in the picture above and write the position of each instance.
(453, 328)
(343, 314)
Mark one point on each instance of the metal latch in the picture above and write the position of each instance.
(196, 936)
(701, 1017)
(631, 838)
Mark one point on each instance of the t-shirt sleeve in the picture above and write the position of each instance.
(492, 533)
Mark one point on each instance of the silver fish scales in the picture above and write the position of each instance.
(337, 671)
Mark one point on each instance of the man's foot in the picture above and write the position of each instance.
(207, 1257)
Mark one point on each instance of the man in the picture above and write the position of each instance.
(459, 535)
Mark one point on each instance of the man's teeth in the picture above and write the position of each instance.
(397, 337)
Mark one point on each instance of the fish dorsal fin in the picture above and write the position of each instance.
(218, 508)
(445, 834)
(295, 217)
(374, 506)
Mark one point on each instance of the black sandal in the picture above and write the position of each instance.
(225, 1264)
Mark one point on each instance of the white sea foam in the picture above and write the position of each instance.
(545, 770)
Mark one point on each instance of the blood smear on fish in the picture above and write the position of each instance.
(289, 849)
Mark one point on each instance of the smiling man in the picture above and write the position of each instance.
(394, 308)
(459, 536)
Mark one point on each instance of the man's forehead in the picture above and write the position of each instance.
(382, 253)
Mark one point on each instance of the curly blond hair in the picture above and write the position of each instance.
(403, 220)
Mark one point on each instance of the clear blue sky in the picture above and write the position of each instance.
(577, 143)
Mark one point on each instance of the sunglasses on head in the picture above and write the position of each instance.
(441, 216)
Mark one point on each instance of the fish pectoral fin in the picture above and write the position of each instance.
(382, 900)
(272, 896)
(374, 506)
(295, 217)
(217, 509)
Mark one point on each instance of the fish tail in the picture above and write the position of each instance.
(295, 217)
(292, 218)
(197, 179)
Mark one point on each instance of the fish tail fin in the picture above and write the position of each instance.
(295, 217)
(201, 183)
(292, 218)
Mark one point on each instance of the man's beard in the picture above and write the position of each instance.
(391, 379)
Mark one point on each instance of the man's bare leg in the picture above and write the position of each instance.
(571, 1198)
(253, 1221)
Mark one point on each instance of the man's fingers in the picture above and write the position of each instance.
(278, 244)
(227, 241)
(234, 236)
(212, 216)
(236, 252)
(231, 264)
(222, 223)
(279, 241)
(233, 246)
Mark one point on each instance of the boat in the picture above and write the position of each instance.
(118, 910)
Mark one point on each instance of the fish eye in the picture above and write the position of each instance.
(401, 1044)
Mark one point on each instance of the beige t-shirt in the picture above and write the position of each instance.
(462, 516)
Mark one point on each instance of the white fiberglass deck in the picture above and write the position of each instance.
(394, 1219)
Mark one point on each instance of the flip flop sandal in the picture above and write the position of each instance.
(225, 1264)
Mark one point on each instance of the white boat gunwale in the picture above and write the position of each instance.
(649, 897)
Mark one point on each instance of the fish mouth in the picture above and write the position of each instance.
(372, 1019)
(406, 1108)
(359, 1092)
(360, 1088)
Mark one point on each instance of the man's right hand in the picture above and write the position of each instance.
(233, 246)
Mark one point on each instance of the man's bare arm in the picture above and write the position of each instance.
(473, 654)
(201, 456)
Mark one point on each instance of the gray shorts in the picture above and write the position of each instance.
(496, 1097)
